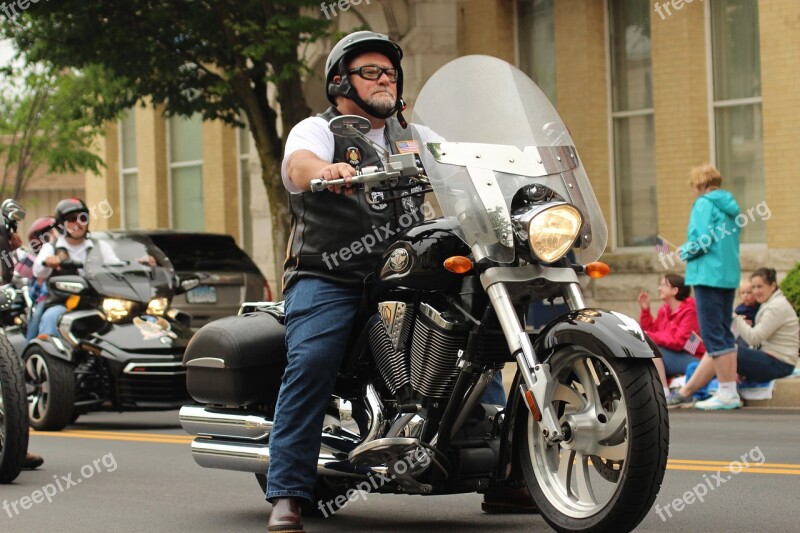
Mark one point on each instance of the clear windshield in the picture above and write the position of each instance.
(502, 134)
(128, 268)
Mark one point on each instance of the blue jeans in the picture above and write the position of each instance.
(36, 318)
(319, 319)
(756, 365)
(49, 321)
(675, 363)
(715, 314)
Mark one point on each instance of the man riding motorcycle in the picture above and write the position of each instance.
(72, 220)
(325, 270)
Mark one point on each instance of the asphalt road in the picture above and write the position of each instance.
(133, 472)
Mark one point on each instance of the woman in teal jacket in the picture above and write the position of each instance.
(711, 253)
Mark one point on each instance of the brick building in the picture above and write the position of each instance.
(647, 88)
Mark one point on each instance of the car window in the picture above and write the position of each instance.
(204, 252)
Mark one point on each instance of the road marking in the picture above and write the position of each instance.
(672, 464)
(117, 435)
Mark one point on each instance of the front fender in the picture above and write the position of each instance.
(604, 332)
(54, 347)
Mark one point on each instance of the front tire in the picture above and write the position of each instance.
(51, 385)
(13, 413)
(606, 474)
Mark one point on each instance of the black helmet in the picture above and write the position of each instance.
(69, 206)
(348, 48)
(40, 227)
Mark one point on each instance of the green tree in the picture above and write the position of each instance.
(42, 125)
(213, 57)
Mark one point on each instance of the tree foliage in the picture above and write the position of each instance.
(213, 57)
(43, 125)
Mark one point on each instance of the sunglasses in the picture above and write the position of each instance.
(77, 217)
(374, 72)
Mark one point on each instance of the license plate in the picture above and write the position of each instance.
(202, 295)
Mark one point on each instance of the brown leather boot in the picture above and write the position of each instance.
(285, 517)
(32, 461)
(507, 500)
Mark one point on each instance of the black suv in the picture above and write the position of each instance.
(227, 275)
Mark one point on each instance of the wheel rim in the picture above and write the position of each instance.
(580, 475)
(37, 378)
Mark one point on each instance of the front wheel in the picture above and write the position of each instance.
(13, 413)
(51, 390)
(607, 472)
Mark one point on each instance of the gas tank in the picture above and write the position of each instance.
(415, 260)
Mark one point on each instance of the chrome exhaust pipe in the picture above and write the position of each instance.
(254, 458)
(205, 422)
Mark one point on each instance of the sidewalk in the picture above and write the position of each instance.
(785, 395)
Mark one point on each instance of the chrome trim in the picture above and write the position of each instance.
(527, 273)
(437, 319)
(574, 297)
(72, 287)
(197, 420)
(207, 362)
(252, 457)
(393, 316)
(132, 364)
(377, 416)
(502, 158)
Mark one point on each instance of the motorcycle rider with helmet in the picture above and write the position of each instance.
(72, 220)
(323, 283)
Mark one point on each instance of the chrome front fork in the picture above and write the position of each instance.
(535, 373)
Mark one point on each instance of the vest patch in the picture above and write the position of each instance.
(407, 147)
(353, 156)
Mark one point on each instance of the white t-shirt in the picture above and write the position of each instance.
(312, 134)
(77, 252)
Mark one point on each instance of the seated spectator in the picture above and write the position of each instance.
(673, 327)
(772, 351)
(749, 306)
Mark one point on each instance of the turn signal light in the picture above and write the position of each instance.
(597, 270)
(458, 264)
(72, 302)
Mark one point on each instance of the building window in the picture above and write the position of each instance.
(186, 172)
(738, 133)
(536, 41)
(633, 124)
(246, 191)
(129, 172)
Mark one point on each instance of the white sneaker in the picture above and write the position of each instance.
(720, 402)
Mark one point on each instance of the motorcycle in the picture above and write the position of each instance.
(120, 344)
(13, 409)
(585, 427)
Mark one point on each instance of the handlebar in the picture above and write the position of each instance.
(399, 166)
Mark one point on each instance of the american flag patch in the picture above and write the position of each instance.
(693, 343)
(407, 147)
(662, 245)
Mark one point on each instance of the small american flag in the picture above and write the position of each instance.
(662, 245)
(693, 343)
(24, 267)
(406, 147)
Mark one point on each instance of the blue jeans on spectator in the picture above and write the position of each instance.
(756, 365)
(36, 318)
(715, 314)
(49, 321)
(675, 363)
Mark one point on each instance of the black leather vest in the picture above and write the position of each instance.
(339, 237)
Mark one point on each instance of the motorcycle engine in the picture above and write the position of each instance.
(418, 346)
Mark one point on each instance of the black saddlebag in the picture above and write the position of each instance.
(237, 360)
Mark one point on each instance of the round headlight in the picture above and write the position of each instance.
(553, 230)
